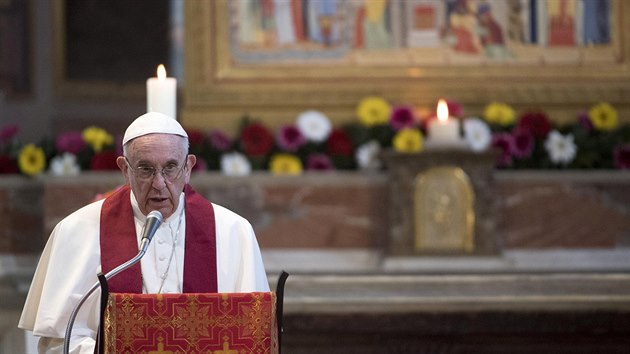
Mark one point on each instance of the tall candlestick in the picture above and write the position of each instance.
(162, 93)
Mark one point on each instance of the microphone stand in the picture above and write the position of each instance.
(143, 249)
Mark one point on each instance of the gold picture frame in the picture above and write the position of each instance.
(219, 90)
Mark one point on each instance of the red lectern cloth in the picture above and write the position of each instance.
(224, 323)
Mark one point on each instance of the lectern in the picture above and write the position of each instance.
(223, 323)
(209, 323)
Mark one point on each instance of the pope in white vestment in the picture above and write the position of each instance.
(71, 260)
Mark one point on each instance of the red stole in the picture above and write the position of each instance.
(119, 243)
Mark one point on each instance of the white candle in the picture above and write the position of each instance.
(162, 94)
(443, 131)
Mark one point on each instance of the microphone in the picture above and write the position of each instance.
(153, 222)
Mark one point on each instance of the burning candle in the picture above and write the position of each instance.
(162, 93)
(443, 131)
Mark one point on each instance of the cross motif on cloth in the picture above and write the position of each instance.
(160, 350)
(226, 350)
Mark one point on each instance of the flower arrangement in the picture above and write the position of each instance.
(67, 154)
(524, 140)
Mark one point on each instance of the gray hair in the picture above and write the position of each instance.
(185, 145)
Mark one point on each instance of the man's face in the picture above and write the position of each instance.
(162, 152)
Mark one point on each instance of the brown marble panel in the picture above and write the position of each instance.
(338, 211)
(563, 214)
(20, 215)
(534, 210)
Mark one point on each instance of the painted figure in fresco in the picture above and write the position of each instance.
(561, 22)
(463, 26)
(516, 27)
(374, 29)
(491, 34)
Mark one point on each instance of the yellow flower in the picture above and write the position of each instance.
(31, 160)
(97, 138)
(285, 164)
(408, 140)
(373, 110)
(603, 116)
(499, 113)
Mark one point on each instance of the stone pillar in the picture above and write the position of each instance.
(441, 202)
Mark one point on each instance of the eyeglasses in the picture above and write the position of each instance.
(170, 172)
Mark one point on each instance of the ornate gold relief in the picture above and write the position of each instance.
(444, 215)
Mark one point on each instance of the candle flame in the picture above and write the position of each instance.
(161, 72)
(442, 111)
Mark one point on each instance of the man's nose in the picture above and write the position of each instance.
(158, 182)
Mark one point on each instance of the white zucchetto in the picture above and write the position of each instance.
(153, 123)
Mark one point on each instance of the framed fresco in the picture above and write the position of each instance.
(15, 48)
(273, 59)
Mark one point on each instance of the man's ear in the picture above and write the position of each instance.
(122, 165)
(191, 160)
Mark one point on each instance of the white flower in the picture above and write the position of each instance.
(561, 148)
(314, 125)
(477, 133)
(235, 164)
(65, 165)
(367, 155)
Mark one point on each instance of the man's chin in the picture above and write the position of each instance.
(163, 207)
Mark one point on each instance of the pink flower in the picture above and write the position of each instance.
(621, 155)
(585, 122)
(402, 117)
(290, 138)
(505, 142)
(71, 142)
(8, 132)
(455, 109)
(220, 141)
(523, 143)
(319, 162)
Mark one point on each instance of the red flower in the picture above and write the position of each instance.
(8, 165)
(195, 137)
(622, 156)
(105, 160)
(537, 123)
(339, 143)
(256, 140)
